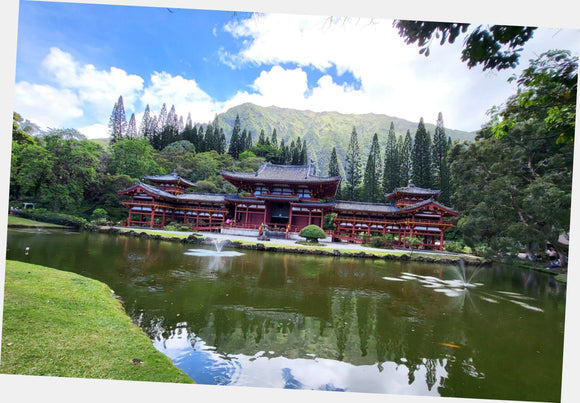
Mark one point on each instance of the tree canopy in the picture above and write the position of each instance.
(493, 47)
(513, 185)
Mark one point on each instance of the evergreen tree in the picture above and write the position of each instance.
(162, 118)
(262, 138)
(222, 144)
(421, 157)
(209, 142)
(372, 175)
(181, 125)
(296, 152)
(353, 175)
(188, 122)
(117, 121)
(274, 141)
(334, 169)
(243, 141)
(145, 129)
(392, 167)
(236, 145)
(132, 128)
(303, 154)
(248, 142)
(190, 134)
(284, 153)
(405, 151)
(441, 178)
(170, 132)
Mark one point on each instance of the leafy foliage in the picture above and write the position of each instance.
(494, 47)
(312, 233)
(515, 189)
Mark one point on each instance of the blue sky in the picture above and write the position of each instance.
(74, 60)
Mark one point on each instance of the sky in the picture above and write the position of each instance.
(75, 60)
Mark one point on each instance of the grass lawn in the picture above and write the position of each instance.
(25, 222)
(62, 324)
(153, 232)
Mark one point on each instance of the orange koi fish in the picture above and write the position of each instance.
(450, 345)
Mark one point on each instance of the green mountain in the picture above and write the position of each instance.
(323, 130)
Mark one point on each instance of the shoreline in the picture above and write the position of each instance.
(332, 249)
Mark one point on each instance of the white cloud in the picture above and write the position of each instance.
(184, 94)
(78, 94)
(45, 105)
(394, 79)
(95, 131)
(98, 89)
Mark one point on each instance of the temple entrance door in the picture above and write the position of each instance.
(279, 213)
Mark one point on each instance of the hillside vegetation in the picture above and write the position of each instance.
(323, 130)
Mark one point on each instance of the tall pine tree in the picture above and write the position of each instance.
(372, 188)
(334, 168)
(132, 127)
(421, 157)
(236, 147)
(405, 147)
(392, 168)
(117, 121)
(441, 173)
(146, 128)
(353, 174)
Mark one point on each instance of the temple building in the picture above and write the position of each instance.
(156, 206)
(286, 198)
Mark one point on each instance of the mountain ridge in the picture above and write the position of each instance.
(323, 130)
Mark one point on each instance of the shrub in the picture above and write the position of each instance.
(55, 218)
(329, 223)
(312, 233)
(99, 213)
(378, 242)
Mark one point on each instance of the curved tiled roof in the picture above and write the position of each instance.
(170, 178)
(367, 207)
(413, 190)
(285, 173)
(201, 197)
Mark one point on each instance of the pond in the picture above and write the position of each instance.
(279, 320)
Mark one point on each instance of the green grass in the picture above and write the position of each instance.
(25, 222)
(62, 324)
(153, 232)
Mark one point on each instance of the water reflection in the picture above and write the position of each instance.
(203, 363)
(312, 322)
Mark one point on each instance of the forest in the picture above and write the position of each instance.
(512, 184)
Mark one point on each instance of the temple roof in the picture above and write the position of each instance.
(387, 208)
(207, 197)
(412, 190)
(170, 178)
(366, 207)
(281, 173)
(200, 197)
(149, 189)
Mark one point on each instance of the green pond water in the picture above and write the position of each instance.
(323, 323)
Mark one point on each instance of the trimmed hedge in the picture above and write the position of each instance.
(54, 218)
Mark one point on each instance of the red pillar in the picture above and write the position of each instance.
(152, 216)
